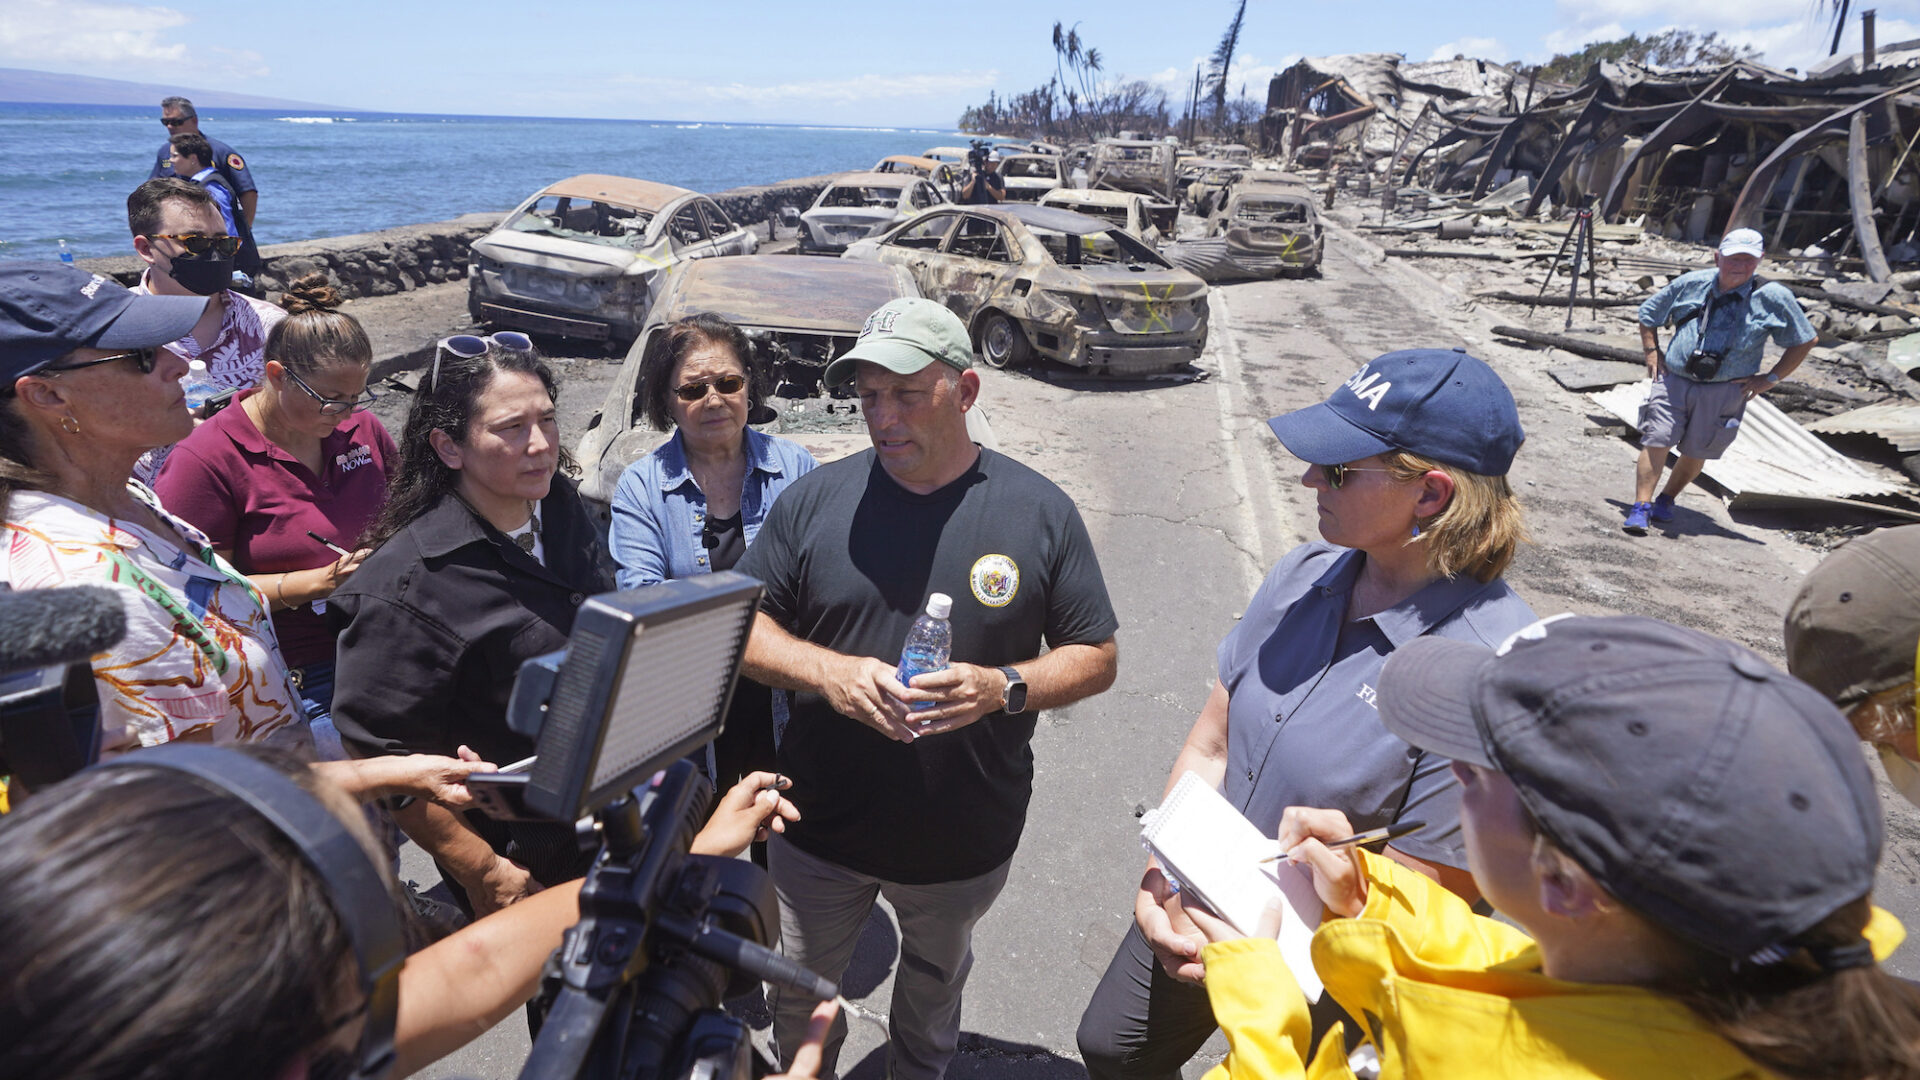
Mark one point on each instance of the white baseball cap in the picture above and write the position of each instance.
(1743, 242)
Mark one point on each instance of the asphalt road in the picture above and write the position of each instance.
(1189, 500)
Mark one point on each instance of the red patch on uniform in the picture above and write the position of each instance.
(234, 162)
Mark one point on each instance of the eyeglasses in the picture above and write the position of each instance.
(468, 346)
(176, 121)
(200, 245)
(1337, 474)
(332, 406)
(143, 359)
(726, 384)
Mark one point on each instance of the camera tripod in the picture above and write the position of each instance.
(1580, 238)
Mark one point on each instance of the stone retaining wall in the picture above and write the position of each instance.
(396, 260)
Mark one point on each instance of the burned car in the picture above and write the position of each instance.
(1203, 182)
(799, 314)
(1270, 230)
(945, 175)
(1030, 176)
(1037, 281)
(955, 154)
(1129, 210)
(583, 258)
(858, 205)
(1133, 165)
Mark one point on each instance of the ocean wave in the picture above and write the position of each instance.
(315, 119)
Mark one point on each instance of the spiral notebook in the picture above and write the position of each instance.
(1215, 852)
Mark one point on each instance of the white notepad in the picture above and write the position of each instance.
(1215, 852)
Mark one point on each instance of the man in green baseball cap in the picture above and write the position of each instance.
(906, 793)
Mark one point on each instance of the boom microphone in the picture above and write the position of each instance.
(67, 625)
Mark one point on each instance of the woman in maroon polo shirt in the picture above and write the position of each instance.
(293, 456)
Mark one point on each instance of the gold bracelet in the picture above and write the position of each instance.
(280, 590)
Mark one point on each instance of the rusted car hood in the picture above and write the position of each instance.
(567, 256)
(782, 292)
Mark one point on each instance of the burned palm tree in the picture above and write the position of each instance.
(1222, 62)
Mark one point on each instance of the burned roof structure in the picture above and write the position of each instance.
(1821, 164)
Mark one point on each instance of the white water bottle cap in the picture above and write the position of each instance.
(939, 605)
(198, 367)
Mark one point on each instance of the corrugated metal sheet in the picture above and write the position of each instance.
(1898, 422)
(1773, 455)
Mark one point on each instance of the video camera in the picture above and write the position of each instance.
(664, 936)
(49, 703)
(977, 156)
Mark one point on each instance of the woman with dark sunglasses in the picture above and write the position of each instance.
(479, 561)
(694, 504)
(1408, 460)
(288, 475)
(87, 387)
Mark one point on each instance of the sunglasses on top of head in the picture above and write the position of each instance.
(728, 385)
(1336, 475)
(200, 245)
(468, 346)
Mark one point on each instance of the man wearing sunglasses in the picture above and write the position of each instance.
(178, 232)
(177, 116)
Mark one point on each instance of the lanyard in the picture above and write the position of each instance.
(184, 621)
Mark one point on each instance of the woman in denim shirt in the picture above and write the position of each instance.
(695, 503)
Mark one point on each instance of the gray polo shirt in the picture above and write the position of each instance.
(1302, 726)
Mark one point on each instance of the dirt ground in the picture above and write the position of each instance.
(1190, 500)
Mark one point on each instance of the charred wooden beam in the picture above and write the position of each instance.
(1579, 346)
(1558, 301)
(1860, 192)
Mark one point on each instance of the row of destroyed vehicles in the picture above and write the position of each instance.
(1077, 277)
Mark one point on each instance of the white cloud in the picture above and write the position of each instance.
(1715, 13)
(1247, 71)
(110, 39)
(1476, 48)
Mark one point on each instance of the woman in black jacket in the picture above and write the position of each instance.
(481, 557)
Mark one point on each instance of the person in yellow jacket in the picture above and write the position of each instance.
(1685, 836)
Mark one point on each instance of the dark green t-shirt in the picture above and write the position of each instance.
(849, 558)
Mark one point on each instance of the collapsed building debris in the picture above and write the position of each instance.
(1821, 164)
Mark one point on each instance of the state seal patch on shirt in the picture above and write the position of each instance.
(235, 163)
(994, 579)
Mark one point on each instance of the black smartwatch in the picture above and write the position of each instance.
(1014, 701)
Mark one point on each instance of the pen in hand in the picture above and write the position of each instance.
(1371, 836)
(331, 546)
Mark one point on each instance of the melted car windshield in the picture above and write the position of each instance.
(585, 220)
(1044, 168)
(1092, 249)
(1277, 212)
(847, 196)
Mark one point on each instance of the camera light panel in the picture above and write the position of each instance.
(675, 683)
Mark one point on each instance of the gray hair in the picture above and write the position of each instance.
(180, 103)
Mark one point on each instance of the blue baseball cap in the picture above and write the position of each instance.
(1441, 404)
(47, 310)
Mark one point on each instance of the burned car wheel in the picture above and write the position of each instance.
(1003, 344)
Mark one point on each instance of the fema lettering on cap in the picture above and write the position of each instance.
(1368, 387)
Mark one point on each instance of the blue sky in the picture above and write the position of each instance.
(879, 62)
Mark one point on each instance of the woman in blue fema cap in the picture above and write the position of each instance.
(1408, 459)
(1685, 837)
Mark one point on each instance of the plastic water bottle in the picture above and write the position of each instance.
(928, 643)
(66, 255)
(198, 384)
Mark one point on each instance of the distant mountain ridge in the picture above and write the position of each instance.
(52, 88)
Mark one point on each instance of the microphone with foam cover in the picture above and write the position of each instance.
(67, 625)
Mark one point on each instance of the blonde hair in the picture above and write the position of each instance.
(1479, 529)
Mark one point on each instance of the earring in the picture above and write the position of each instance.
(1416, 530)
(69, 425)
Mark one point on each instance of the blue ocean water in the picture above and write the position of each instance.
(327, 175)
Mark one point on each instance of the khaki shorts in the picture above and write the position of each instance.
(1699, 419)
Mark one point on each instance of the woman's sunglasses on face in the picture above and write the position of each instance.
(1336, 475)
(468, 346)
(200, 245)
(144, 359)
(333, 406)
(728, 385)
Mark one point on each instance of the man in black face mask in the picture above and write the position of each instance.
(179, 233)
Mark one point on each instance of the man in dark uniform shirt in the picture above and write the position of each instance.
(177, 116)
